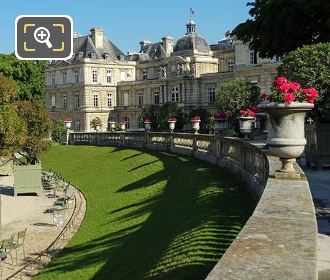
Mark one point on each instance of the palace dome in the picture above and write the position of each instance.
(191, 41)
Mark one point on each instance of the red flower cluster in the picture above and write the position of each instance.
(172, 119)
(147, 121)
(310, 94)
(247, 113)
(196, 119)
(220, 116)
(263, 96)
(287, 91)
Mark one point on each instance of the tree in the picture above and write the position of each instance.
(58, 130)
(28, 75)
(310, 66)
(235, 95)
(281, 26)
(38, 126)
(12, 127)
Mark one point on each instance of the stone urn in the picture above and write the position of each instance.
(171, 125)
(195, 125)
(245, 125)
(147, 125)
(286, 133)
(112, 125)
(68, 123)
(97, 127)
(123, 125)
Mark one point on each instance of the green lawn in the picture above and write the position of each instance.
(149, 215)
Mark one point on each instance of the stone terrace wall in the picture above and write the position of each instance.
(279, 241)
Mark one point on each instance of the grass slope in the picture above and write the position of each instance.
(149, 215)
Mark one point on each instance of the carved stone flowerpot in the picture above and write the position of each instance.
(195, 126)
(147, 126)
(171, 125)
(286, 134)
(123, 126)
(245, 125)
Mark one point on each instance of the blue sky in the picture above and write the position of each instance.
(126, 23)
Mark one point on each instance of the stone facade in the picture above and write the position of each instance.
(100, 81)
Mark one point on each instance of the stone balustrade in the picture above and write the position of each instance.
(279, 241)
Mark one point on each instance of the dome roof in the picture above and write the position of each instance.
(190, 42)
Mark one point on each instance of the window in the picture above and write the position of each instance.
(65, 101)
(125, 99)
(144, 76)
(230, 65)
(156, 97)
(109, 100)
(109, 76)
(96, 100)
(122, 75)
(95, 74)
(126, 119)
(64, 78)
(253, 57)
(211, 91)
(174, 94)
(53, 100)
(140, 98)
(76, 76)
(53, 79)
(77, 125)
(76, 101)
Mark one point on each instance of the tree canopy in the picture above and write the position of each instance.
(235, 95)
(310, 66)
(28, 75)
(280, 26)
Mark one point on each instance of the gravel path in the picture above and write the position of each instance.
(27, 211)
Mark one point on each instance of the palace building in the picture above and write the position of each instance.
(101, 81)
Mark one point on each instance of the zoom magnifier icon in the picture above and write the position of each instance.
(42, 35)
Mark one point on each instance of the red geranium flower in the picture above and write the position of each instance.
(263, 96)
(289, 97)
(280, 81)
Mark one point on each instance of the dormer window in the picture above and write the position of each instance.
(106, 56)
(92, 55)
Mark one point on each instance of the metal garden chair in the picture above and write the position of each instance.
(18, 242)
(5, 251)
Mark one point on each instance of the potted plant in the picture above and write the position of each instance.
(220, 121)
(122, 124)
(171, 123)
(195, 120)
(287, 107)
(67, 122)
(147, 124)
(112, 125)
(246, 119)
(96, 124)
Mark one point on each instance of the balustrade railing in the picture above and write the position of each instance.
(232, 153)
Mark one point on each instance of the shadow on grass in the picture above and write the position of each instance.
(189, 226)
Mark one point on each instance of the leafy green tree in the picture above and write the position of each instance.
(280, 26)
(12, 127)
(310, 66)
(38, 126)
(159, 115)
(235, 95)
(58, 130)
(28, 75)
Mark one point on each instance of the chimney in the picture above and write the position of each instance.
(144, 43)
(97, 37)
(168, 44)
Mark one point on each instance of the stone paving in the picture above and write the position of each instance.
(27, 211)
(319, 182)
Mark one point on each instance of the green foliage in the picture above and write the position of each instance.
(159, 115)
(235, 95)
(149, 216)
(280, 26)
(58, 129)
(8, 90)
(310, 66)
(38, 127)
(28, 75)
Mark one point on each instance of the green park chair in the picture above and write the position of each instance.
(5, 251)
(18, 242)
